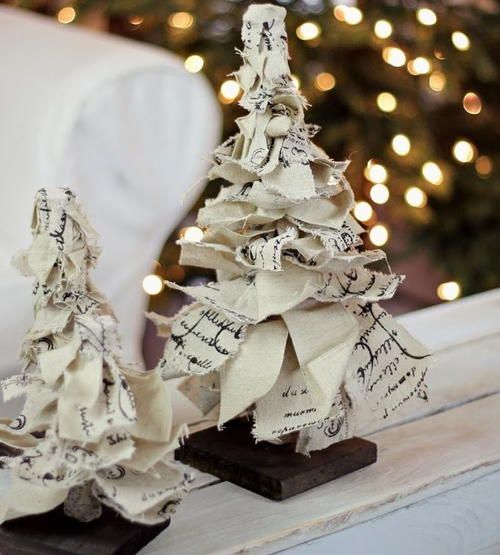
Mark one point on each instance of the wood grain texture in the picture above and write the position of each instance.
(462, 521)
(416, 460)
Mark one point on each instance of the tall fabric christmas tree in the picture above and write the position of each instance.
(290, 331)
(94, 429)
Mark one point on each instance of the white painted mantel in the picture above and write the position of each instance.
(435, 489)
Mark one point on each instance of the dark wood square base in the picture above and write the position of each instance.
(54, 533)
(274, 471)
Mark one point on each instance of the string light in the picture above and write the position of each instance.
(401, 144)
(460, 40)
(191, 233)
(464, 151)
(484, 166)
(432, 172)
(152, 284)
(379, 193)
(394, 56)
(437, 81)
(194, 63)
(66, 15)
(324, 81)
(353, 15)
(296, 80)
(414, 196)
(363, 211)
(135, 20)
(348, 14)
(382, 29)
(419, 66)
(426, 16)
(472, 103)
(379, 235)
(376, 173)
(386, 102)
(180, 20)
(308, 31)
(229, 90)
(449, 290)
(339, 12)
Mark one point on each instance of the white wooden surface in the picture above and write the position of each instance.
(417, 460)
(458, 522)
(434, 489)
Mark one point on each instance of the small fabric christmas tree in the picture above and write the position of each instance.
(290, 331)
(94, 429)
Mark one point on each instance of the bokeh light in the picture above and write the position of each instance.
(419, 66)
(432, 173)
(379, 193)
(386, 102)
(353, 15)
(426, 16)
(484, 166)
(416, 197)
(135, 20)
(308, 30)
(394, 56)
(382, 29)
(449, 290)
(194, 63)
(460, 40)
(472, 103)
(437, 81)
(376, 173)
(401, 144)
(191, 233)
(229, 91)
(363, 211)
(340, 11)
(180, 20)
(464, 151)
(324, 81)
(152, 284)
(66, 15)
(379, 235)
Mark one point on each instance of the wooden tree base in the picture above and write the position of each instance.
(274, 471)
(54, 533)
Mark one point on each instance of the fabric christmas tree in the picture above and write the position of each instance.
(94, 429)
(290, 331)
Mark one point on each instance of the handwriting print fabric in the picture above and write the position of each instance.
(290, 332)
(94, 429)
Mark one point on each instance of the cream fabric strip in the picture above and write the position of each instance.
(93, 413)
(260, 358)
(284, 335)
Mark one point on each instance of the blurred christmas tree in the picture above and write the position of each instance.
(408, 90)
